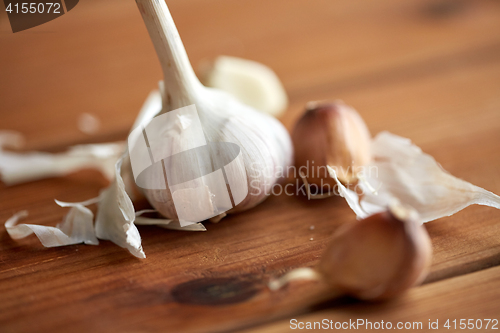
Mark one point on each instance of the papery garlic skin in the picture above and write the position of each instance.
(331, 134)
(17, 168)
(378, 257)
(400, 170)
(265, 144)
(77, 227)
(251, 82)
(116, 215)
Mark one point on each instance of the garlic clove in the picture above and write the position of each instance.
(378, 257)
(77, 227)
(372, 259)
(331, 134)
(401, 170)
(251, 82)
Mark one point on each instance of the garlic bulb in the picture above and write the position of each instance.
(251, 82)
(376, 258)
(265, 144)
(264, 147)
(331, 134)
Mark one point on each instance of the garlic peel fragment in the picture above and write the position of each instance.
(350, 196)
(18, 168)
(77, 227)
(165, 223)
(251, 82)
(116, 215)
(169, 224)
(404, 172)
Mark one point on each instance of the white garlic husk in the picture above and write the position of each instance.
(401, 170)
(265, 144)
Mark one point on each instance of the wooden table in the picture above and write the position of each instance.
(428, 70)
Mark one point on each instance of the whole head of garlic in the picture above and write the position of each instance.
(265, 144)
(378, 257)
(331, 134)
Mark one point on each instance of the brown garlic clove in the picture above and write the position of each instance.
(331, 134)
(378, 257)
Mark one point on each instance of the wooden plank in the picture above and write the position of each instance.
(472, 296)
(79, 282)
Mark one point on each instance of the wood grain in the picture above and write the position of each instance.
(428, 70)
(450, 300)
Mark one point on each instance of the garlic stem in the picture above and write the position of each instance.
(179, 77)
